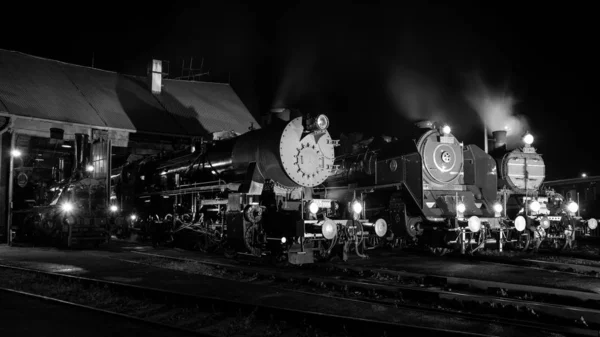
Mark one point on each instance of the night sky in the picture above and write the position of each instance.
(371, 68)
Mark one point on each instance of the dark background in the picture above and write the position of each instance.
(371, 68)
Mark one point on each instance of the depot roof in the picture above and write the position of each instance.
(40, 88)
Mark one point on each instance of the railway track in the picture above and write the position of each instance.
(325, 321)
(399, 295)
(115, 318)
(566, 265)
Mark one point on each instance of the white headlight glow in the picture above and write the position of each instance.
(573, 207)
(357, 207)
(534, 206)
(498, 207)
(67, 207)
(313, 207)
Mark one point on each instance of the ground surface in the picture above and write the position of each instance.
(36, 317)
(447, 266)
(97, 264)
(103, 264)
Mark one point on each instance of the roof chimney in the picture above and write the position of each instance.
(499, 138)
(155, 76)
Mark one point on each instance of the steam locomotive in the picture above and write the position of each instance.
(437, 195)
(73, 209)
(539, 215)
(249, 193)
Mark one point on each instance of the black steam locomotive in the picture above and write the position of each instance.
(249, 193)
(539, 215)
(438, 194)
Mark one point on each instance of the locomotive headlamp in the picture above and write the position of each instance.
(535, 206)
(133, 217)
(461, 208)
(592, 223)
(357, 207)
(573, 207)
(313, 207)
(113, 208)
(322, 122)
(446, 129)
(15, 153)
(283, 240)
(67, 207)
(498, 207)
(545, 222)
(329, 229)
(380, 227)
(528, 139)
(474, 224)
(89, 168)
(520, 223)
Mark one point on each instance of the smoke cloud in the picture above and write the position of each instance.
(416, 96)
(297, 76)
(496, 109)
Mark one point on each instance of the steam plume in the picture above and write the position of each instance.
(416, 96)
(496, 110)
(296, 78)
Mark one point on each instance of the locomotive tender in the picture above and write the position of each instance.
(249, 193)
(438, 194)
(539, 215)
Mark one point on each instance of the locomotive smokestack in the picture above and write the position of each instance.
(281, 114)
(278, 114)
(499, 139)
(155, 76)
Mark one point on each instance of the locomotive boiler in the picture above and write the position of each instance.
(438, 194)
(538, 215)
(249, 193)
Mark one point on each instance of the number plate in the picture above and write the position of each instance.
(323, 203)
(447, 140)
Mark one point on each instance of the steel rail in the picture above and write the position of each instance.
(321, 319)
(438, 279)
(580, 269)
(416, 293)
(105, 312)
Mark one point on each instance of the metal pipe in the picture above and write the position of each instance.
(10, 189)
(578, 205)
(61, 169)
(108, 167)
(485, 141)
(219, 164)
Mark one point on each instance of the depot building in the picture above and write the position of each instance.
(57, 119)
